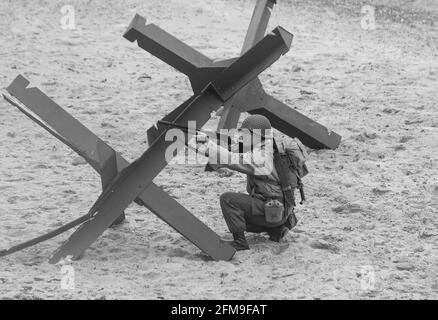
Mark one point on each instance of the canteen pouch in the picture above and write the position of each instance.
(274, 211)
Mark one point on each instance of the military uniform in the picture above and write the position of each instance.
(245, 212)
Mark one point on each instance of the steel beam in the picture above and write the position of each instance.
(92, 147)
(199, 68)
(294, 124)
(285, 119)
(273, 44)
(43, 111)
(250, 98)
(256, 31)
(166, 47)
(259, 22)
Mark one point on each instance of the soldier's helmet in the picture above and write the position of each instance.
(256, 121)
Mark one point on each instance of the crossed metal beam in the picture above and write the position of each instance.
(251, 98)
(124, 182)
(108, 163)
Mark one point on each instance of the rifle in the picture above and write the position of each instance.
(218, 136)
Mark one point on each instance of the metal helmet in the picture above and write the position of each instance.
(256, 121)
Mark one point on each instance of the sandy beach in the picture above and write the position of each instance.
(369, 229)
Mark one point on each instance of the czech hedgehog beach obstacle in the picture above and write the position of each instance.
(232, 83)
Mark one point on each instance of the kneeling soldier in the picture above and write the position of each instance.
(247, 212)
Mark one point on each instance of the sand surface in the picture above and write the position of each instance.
(370, 227)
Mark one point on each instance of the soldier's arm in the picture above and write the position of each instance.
(247, 163)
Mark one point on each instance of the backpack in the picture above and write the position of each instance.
(290, 162)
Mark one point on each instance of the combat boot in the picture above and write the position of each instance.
(277, 233)
(239, 243)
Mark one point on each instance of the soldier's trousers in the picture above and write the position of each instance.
(243, 212)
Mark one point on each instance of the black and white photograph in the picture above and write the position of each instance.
(231, 151)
